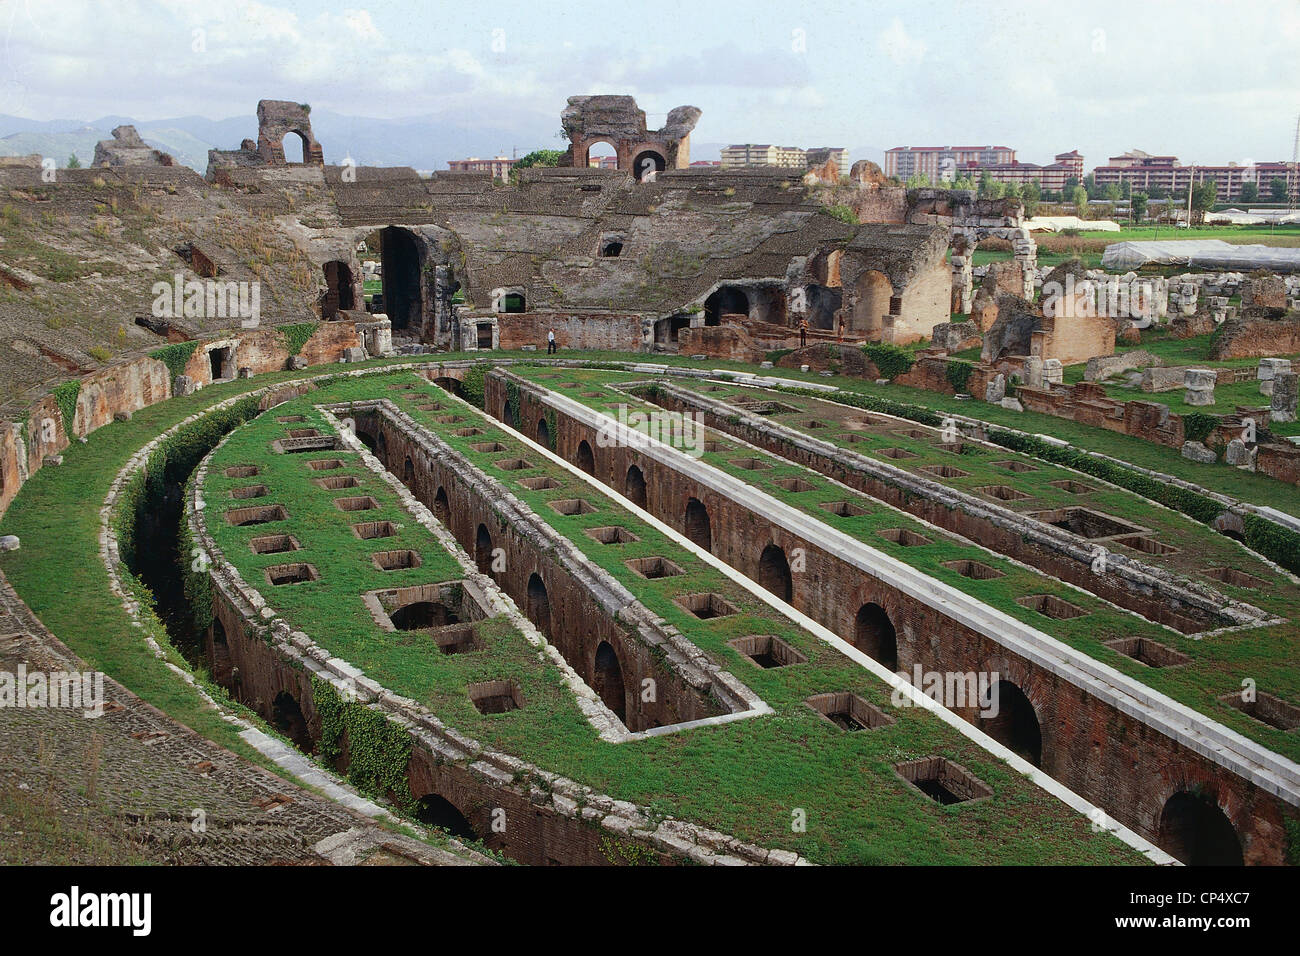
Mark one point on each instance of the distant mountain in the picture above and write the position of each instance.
(424, 143)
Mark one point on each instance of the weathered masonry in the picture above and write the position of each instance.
(599, 627)
(1172, 775)
(1138, 586)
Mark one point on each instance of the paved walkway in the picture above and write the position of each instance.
(136, 786)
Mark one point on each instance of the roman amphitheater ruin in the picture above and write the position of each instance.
(810, 543)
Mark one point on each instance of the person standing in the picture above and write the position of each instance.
(803, 333)
(550, 342)
(841, 328)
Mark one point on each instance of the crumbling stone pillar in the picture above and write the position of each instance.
(1053, 372)
(1186, 298)
(1285, 390)
(1025, 251)
(996, 389)
(1034, 372)
(1199, 383)
(963, 276)
(1268, 369)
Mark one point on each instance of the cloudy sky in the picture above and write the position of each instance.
(1209, 81)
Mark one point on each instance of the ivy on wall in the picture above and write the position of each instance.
(65, 394)
(296, 336)
(175, 356)
(891, 360)
(958, 374)
(379, 751)
(473, 384)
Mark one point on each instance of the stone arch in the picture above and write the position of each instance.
(403, 289)
(508, 416)
(295, 148)
(287, 716)
(697, 526)
(1016, 725)
(435, 810)
(1196, 831)
(874, 635)
(725, 300)
(408, 472)
(611, 149)
(543, 433)
(340, 292)
(871, 302)
(483, 549)
(768, 303)
(368, 439)
(539, 603)
(774, 572)
(381, 447)
(647, 165)
(441, 507)
(451, 385)
(585, 458)
(823, 306)
(607, 679)
(634, 486)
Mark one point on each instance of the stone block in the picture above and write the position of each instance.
(1236, 453)
(297, 363)
(1195, 451)
(1033, 369)
(185, 385)
(354, 354)
(1012, 405)
(996, 389)
(9, 542)
(1283, 406)
(1053, 372)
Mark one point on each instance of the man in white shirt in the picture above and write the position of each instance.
(550, 342)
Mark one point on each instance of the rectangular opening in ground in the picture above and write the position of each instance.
(768, 651)
(849, 711)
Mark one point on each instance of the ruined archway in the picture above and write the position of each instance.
(543, 433)
(873, 635)
(607, 680)
(697, 526)
(823, 305)
(408, 472)
(436, 811)
(647, 165)
(871, 295)
(1195, 831)
(539, 604)
(601, 154)
(774, 572)
(402, 299)
(287, 716)
(294, 148)
(508, 416)
(1016, 724)
(483, 549)
(634, 486)
(585, 458)
(221, 663)
(726, 300)
(441, 509)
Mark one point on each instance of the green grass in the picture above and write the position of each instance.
(1264, 654)
(744, 777)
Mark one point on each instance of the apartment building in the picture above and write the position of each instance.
(941, 162)
(498, 167)
(1145, 172)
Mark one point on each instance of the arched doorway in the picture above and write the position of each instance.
(873, 635)
(1195, 831)
(287, 717)
(339, 291)
(543, 433)
(823, 304)
(585, 458)
(508, 413)
(408, 472)
(648, 165)
(294, 147)
(483, 549)
(368, 439)
(435, 811)
(539, 604)
(1016, 725)
(441, 508)
(774, 572)
(696, 526)
(602, 155)
(871, 295)
(634, 486)
(607, 681)
(725, 301)
(400, 255)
